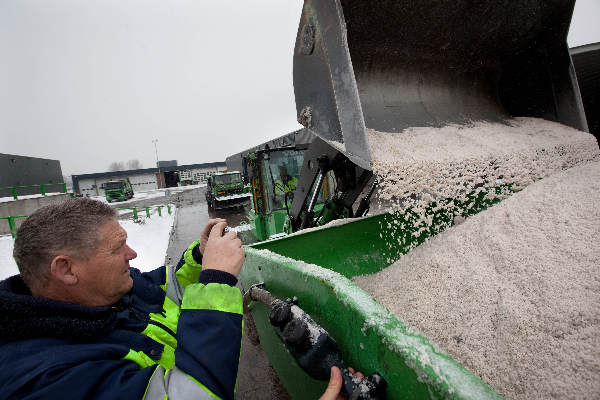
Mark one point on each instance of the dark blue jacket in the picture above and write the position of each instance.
(176, 334)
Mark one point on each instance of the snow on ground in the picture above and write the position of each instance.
(8, 267)
(29, 196)
(149, 238)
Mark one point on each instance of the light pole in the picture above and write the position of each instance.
(155, 141)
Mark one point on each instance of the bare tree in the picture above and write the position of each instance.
(116, 166)
(134, 164)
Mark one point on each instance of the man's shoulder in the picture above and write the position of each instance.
(43, 367)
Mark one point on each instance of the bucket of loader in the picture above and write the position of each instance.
(390, 65)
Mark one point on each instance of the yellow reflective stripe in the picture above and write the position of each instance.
(140, 358)
(213, 296)
(188, 257)
(190, 271)
(167, 358)
(171, 315)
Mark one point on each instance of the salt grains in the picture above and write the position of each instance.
(512, 293)
(455, 160)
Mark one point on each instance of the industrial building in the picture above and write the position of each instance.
(171, 175)
(27, 171)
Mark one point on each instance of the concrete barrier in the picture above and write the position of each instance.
(25, 207)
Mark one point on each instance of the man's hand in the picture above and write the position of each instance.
(335, 384)
(223, 252)
(206, 232)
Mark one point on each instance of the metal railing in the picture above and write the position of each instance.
(13, 231)
(15, 194)
(11, 223)
(147, 209)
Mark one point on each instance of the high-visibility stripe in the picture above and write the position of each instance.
(213, 296)
(190, 271)
(140, 358)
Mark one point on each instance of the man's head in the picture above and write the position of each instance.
(75, 251)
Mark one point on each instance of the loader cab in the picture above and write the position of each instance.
(274, 175)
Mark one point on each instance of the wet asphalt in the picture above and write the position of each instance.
(256, 378)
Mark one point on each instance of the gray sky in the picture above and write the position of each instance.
(91, 82)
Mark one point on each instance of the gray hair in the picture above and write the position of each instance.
(68, 228)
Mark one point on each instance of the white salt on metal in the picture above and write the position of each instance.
(513, 293)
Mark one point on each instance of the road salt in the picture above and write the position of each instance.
(512, 293)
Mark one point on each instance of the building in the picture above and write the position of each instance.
(26, 171)
(146, 178)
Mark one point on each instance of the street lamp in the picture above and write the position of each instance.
(157, 163)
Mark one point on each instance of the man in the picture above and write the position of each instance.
(79, 323)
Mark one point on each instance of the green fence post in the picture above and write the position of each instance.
(43, 190)
(169, 208)
(147, 212)
(159, 210)
(64, 186)
(14, 192)
(11, 226)
(135, 215)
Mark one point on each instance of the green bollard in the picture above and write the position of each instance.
(135, 214)
(159, 210)
(11, 226)
(169, 208)
(11, 223)
(64, 186)
(14, 192)
(147, 212)
(43, 190)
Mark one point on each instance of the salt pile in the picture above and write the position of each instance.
(512, 293)
(454, 160)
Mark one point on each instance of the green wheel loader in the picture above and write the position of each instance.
(388, 66)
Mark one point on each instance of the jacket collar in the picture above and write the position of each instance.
(23, 316)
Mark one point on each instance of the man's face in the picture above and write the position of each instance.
(104, 276)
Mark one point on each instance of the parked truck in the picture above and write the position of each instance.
(226, 190)
(118, 190)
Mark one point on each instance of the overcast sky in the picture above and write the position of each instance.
(92, 82)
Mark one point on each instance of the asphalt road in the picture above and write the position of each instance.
(256, 378)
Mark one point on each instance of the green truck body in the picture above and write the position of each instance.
(226, 190)
(118, 190)
(317, 267)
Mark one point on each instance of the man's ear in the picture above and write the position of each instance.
(61, 269)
